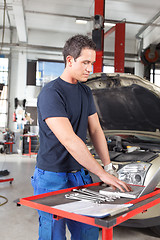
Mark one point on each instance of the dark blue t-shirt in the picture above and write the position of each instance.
(62, 99)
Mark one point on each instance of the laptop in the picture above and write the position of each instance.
(137, 191)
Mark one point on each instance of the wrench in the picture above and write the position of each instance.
(81, 197)
(93, 193)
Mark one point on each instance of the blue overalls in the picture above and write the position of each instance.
(50, 229)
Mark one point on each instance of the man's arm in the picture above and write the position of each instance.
(100, 144)
(63, 130)
(98, 138)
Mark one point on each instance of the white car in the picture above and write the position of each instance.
(129, 111)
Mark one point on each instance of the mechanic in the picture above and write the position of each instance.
(65, 110)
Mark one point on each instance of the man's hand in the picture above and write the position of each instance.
(114, 182)
(109, 169)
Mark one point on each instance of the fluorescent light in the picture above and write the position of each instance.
(109, 24)
(81, 21)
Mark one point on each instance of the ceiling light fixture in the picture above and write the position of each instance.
(106, 24)
(81, 21)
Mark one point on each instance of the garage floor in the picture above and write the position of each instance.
(19, 223)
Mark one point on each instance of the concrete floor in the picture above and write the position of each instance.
(19, 223)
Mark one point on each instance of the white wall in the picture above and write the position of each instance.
(139, 69)
(151, 36)
(17, 83)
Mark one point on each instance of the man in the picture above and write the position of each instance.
(65, 111)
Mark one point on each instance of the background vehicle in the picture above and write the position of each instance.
(129, 112)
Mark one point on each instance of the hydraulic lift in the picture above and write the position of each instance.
(98, 36)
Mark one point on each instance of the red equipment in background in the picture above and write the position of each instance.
(98, 37)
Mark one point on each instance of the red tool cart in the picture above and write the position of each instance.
(46, 202)
(7, 180)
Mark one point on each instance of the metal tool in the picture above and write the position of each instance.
(93, 194)
(81, 197)
(86, 194)
(108, 198)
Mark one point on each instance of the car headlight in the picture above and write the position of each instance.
(134, 173)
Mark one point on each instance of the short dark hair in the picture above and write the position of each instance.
(75, 44)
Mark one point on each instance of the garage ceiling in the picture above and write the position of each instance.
(59, 16)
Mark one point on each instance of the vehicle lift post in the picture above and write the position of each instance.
(98, 36)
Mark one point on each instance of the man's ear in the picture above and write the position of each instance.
(69, 60)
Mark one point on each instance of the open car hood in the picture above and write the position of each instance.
(126, 102)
